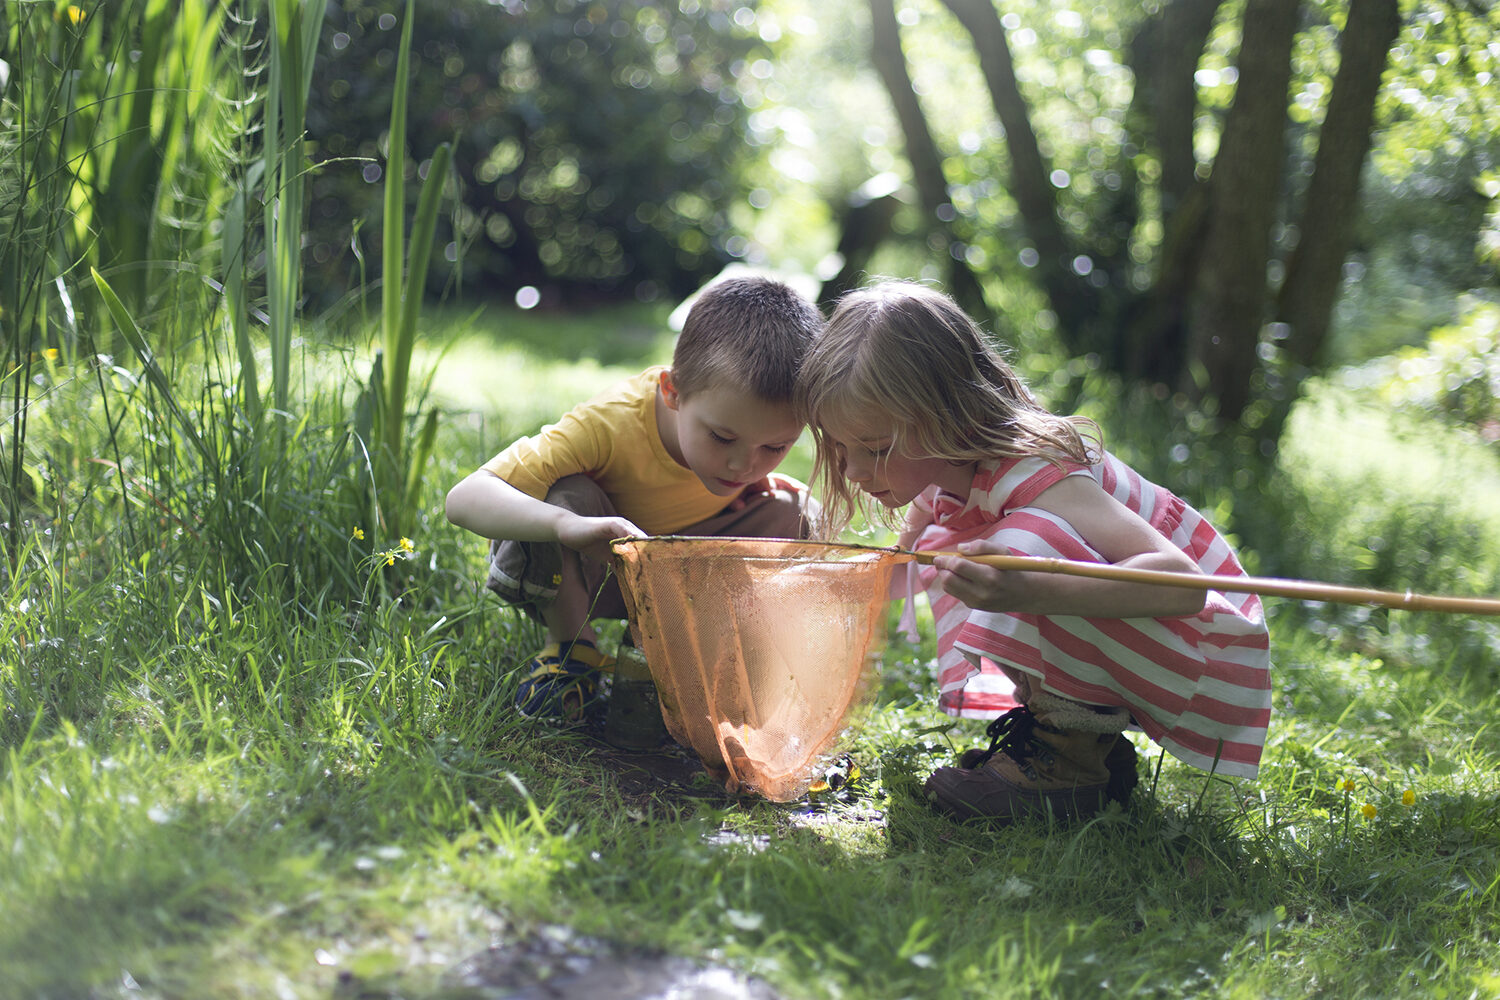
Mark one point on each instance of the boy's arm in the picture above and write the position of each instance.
(489, 506)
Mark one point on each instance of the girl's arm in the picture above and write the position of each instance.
(1111, 529)
(489, 506)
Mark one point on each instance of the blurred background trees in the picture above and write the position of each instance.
(1195, 233)
(597, 146)
(1210, 198)
(1213, 198)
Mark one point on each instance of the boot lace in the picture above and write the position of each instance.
(1010, 734)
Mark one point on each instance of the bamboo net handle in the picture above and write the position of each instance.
(1305, 590)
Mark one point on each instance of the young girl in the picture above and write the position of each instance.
(910, 405)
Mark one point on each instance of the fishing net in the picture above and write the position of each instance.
(762, 650)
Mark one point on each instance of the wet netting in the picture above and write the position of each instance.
(762, 650)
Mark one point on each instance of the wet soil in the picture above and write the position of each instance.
(668, 771)
(555, 964)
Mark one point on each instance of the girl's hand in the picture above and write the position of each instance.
(1108, 528)
(592, 535)
(984, 587)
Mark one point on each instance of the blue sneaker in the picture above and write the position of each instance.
(563, 682)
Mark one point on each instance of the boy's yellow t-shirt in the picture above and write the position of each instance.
(613, 439)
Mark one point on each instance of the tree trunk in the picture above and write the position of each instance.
(865, 221)
(1231, 294)
(1151, 340)
(1164, 56)
(1315, 270)
(1074, 300)
(922, 153)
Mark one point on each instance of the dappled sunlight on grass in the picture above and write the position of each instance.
(1365, 457)
(508, 384)
(222, 790)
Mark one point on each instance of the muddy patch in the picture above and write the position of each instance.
(670, 769)
(556, 964)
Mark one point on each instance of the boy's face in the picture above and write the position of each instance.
(730, 437)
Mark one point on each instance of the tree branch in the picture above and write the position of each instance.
(1164, 56)
(1074, 300)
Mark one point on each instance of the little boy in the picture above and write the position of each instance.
(686, 449)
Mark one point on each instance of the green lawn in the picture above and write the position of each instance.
(231, 778)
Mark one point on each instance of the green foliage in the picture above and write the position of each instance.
(596, 146)
(1388, 499)
(110, 121)
(1455, 375)
(218, 777)
(294, 29)
(110, 124)
(396, 467)
(1418, 223)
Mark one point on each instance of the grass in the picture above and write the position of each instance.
(222, 790)
(254, 744)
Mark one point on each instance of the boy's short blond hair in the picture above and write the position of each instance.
(749, 332)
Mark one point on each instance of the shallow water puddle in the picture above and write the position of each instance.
(557, 964)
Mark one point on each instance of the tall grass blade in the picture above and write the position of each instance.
(154, 374)
(397, 470)
(295, 25)
(236, 300)
(417, 463)
(395, 205)
(424, 226)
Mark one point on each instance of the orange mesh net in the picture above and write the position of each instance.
(761, 649)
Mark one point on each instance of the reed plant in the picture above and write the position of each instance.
(397, 458)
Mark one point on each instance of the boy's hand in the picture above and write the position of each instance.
(761, 487)
(592, 535)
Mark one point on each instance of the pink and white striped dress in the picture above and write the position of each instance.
(1199, 686)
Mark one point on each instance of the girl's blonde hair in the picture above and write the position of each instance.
(908, 352)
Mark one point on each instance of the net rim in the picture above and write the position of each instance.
(727, 543)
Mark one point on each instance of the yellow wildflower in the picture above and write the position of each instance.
(406, 544)
(1408, 798)
(52, 354)
(359, 534)
(390, 558)
(1368, 811)
(75, 15)
(1346, 785)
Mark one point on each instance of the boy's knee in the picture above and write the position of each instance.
(779, 513)
(526, 574)
(581, 495)
(529, 575)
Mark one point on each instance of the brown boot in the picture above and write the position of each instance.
(1033, 768)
